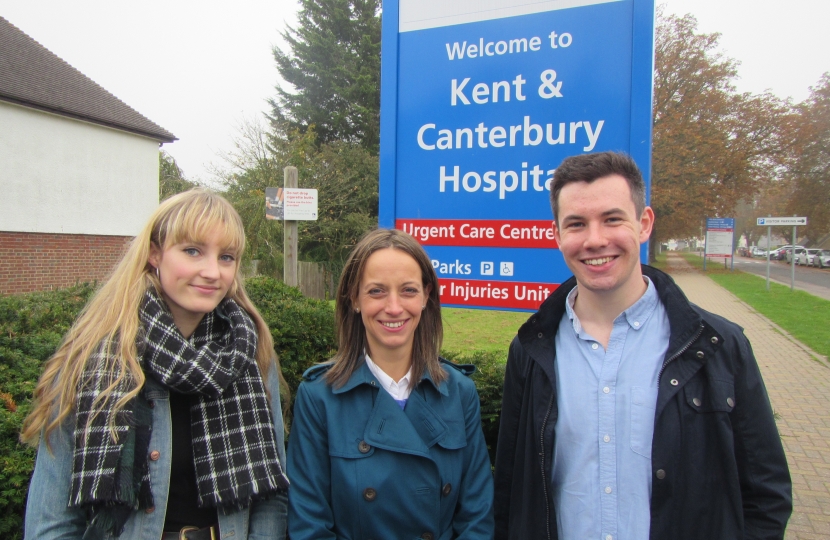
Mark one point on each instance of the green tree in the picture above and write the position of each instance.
(333, 66)
(171, 177)
(344, 173)
(810, 171)
(712, 146)
(251, 167)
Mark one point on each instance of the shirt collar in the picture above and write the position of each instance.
(398, 390)
(636, 315)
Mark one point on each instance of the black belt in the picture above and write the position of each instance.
(193, 533)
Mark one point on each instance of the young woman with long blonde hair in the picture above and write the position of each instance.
(159, 415)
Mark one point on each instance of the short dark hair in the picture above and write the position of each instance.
(350, 330)
(590, 167)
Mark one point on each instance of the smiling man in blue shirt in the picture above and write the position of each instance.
(629, 413)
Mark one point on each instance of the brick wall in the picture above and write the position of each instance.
(41, 262)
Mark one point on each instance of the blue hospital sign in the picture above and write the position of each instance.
(480, 101)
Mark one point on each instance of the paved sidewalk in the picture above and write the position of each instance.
(799, 387)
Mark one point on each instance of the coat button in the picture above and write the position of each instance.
(730, 402)
(427, 536)
(714, 340)
(447, 489)
(370, 494)
(661, 474)
(364, 447)
(696, 401)
(674, 382)
(540, 335)
(700, 354)
(155, 455)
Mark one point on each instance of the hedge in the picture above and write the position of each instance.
(32, 325)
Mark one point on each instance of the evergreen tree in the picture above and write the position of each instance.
(171, 177)
(334, 68)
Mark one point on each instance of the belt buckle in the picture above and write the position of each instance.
(184, 530)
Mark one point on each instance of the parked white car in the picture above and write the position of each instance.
(759, 252)
(822, 258)
(806, 257)
(798, 250)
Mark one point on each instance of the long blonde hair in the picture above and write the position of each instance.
(111, 316)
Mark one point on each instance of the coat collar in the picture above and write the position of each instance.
(537, 334)
(363, 375)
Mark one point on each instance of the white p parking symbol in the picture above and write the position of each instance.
(487, 268)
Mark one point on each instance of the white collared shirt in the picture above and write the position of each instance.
(398, 390)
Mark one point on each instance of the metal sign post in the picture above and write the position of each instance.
(769, 222)
(480, 101)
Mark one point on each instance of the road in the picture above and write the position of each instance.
(812, 280)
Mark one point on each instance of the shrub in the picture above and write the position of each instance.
(489, 380)
(31, 328)
(302, 328)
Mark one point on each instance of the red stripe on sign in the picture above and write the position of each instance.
(480, 232)
(495, 294)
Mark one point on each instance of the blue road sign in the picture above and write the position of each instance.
(479, 106)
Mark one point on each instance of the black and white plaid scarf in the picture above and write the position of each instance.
(234, 446)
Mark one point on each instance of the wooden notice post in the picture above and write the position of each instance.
(289, 272)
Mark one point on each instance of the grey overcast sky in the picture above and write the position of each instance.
(200, 69)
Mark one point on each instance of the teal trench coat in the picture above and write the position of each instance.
(362, 468)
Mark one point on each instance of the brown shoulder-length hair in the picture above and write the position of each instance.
(351, 333)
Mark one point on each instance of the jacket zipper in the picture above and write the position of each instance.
(681, 351)
(542, 456)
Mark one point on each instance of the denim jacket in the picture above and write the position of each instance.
(48, 516)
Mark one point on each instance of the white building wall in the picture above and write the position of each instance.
(59, 175)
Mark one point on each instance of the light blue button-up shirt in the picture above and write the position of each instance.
(607, 398)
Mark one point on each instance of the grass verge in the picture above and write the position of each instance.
(472, 330)
(801, 314)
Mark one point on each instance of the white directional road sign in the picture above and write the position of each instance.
(788, 221)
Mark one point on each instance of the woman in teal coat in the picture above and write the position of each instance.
(386, 440)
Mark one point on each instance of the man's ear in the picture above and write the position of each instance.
(646, 224)
(555, 231)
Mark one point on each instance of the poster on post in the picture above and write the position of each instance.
(479, 104)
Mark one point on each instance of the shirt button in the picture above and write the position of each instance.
(370, 494)
(661, 474)
(730, 402)
(636, 324)
(594, 346)
(608, 489)
(427, 536)
(697, 402)
(447, 489)
(609, 537)
(674, 382)
(155, 455)
(606, 438)
(606, 390)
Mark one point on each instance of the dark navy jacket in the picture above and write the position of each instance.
(718, 466)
